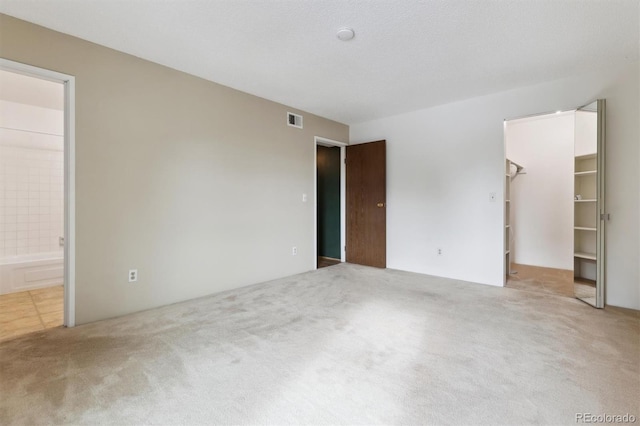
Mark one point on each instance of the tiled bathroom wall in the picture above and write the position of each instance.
(31, 200)
(31, 184)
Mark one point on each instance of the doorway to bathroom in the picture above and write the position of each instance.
(36, 134)
(330, 204)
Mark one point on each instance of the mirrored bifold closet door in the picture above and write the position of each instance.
(589, 205)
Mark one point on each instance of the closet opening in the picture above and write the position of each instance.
(554, 203)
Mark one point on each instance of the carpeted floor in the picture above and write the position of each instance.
(559, 282)
(341, 345)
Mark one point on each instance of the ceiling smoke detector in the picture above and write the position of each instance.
(345, 34)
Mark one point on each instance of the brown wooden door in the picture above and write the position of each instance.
(366, 204)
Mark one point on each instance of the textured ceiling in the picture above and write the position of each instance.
(406, 54)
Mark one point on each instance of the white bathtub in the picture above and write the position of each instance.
(28, 272)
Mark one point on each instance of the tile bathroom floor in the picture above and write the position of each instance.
(29, 311)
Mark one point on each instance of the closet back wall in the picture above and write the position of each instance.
(196, 185)
(542, 199)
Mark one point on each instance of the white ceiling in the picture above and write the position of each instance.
(406, 55)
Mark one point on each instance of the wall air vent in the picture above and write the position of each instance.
(294, 120)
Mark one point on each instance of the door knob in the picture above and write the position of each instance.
(380, 204)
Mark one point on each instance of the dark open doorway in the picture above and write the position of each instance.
(328, 193)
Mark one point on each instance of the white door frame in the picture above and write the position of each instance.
(69, 177)
(343, 197)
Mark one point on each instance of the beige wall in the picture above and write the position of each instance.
(196, 185)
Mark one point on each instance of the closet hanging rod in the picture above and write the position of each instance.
(519, 169)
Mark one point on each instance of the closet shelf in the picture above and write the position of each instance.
(507, 209)
(583, 255)
(586, 156)
(585, 223)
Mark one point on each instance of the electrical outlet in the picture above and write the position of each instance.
(294, 251)
(439, 252)
(133, 275)
(304, 198)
